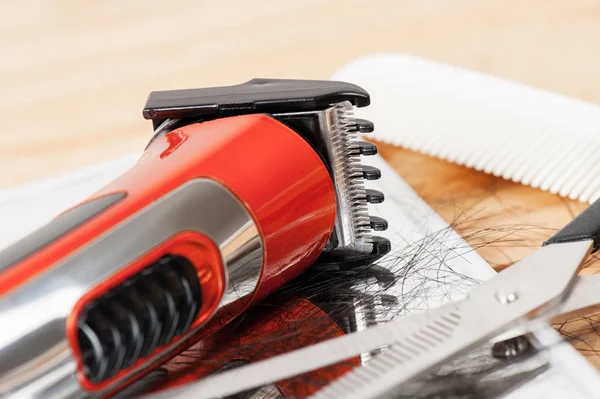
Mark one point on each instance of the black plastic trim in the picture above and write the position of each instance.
(344, 258)
(586, 226)
(268, 96)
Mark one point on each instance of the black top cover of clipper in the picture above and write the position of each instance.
(270, 96)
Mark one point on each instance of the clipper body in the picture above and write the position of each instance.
(226, 205)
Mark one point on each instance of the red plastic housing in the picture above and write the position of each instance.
(271, 169)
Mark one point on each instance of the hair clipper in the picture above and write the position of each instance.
(241, 189)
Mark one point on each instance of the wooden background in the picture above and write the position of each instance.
(74, 76)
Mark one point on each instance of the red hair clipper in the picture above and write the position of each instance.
(241, 189)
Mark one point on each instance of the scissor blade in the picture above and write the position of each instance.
(320, 355)
(583, 299)
(426, 339)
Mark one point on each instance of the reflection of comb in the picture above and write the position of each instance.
(520, 133)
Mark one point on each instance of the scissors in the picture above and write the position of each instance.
(539, 289)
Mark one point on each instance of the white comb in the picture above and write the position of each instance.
(524, 134)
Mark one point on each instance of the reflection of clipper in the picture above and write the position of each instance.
(340, 303)
(240, 190)
(360, 300)
(283, 324)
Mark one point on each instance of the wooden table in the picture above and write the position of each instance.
(75, 75)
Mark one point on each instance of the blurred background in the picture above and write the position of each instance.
(74, 75)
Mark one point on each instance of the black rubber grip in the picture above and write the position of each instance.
(586, 226)
(131, 320)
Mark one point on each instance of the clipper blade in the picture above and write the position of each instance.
(353, 225)
(352, 243)
(335, 135)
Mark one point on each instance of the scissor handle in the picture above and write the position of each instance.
(586, 226)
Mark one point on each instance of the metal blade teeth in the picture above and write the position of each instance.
(352, 173)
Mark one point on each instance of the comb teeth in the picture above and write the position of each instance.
(349, 175)
(520, 133)
(561, 159)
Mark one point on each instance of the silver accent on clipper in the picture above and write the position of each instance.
(352, 224)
